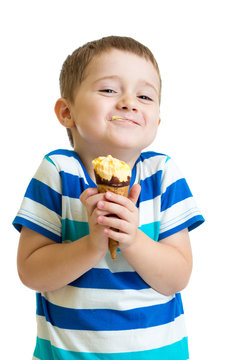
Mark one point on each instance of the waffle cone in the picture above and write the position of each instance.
(121, 190)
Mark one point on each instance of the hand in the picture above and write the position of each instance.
(97, 238)
(123, 225)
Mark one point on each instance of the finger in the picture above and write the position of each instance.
(114, 223)
(103, 208)
(90, 199)
(134, 193)
(119, 236)
(87, 193)
(123, 210)
(120, 200)
(98, 212)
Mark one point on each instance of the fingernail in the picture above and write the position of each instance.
(100, 204)
(108, 195)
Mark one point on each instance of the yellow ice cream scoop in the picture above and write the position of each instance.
(109, 167)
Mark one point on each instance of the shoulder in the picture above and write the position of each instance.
(66, 161)
(70, 169)
(157, 169)
(152, 162)
(152, 155)
(60, 156)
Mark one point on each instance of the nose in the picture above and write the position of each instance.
(127, 102)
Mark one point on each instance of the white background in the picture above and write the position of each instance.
(197, 46)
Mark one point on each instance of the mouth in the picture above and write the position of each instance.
(124, 119)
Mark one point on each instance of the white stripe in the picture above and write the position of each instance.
(81, 298)
(149, 211)
(73, 209)
(117, 265)
(48, 174)
(178, 214)
(113, 341)
(150, 166)
(45, 217)
(69, 165)
(171, 174)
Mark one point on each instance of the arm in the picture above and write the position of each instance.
(166, 265)
(45, 265)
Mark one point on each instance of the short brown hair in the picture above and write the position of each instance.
(73, 69)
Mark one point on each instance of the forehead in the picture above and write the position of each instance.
(123, 64)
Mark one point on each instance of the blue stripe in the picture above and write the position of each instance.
(149, 154)
(195, 222)
(43, 194)
(178, 350)
(44, 350)
(133, 176)
(107, 319)
(73, 230)
(73, 154)
(49, 160)
(73, 185)
(19, 222)
(150, 187)
(191, 224)
(145, 155)
(105, 279)
(174, 193)
(151, 230)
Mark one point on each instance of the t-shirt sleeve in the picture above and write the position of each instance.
(41, 207)
(178, 208)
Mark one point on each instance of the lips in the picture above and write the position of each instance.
(124, 119)
(131, 121)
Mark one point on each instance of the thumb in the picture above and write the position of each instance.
(134, 193)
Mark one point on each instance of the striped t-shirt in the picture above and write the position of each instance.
(109, 313)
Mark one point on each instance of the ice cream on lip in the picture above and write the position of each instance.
(111, 171)
(126, 118)
(116, 117)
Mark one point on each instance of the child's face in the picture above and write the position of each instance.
(116, 83)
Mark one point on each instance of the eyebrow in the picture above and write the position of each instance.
(116, 77)
(146, 83)
(111, 77)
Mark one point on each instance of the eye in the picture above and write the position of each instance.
(145, 97)
(108, 91)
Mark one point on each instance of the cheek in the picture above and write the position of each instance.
(88, 114)
(152, 129)
(153, 121)
(96, 111)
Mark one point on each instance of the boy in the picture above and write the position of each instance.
(88, 305)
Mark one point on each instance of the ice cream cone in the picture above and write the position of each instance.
(121, 190)
(112, 175)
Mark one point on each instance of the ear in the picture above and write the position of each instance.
(63, 113)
